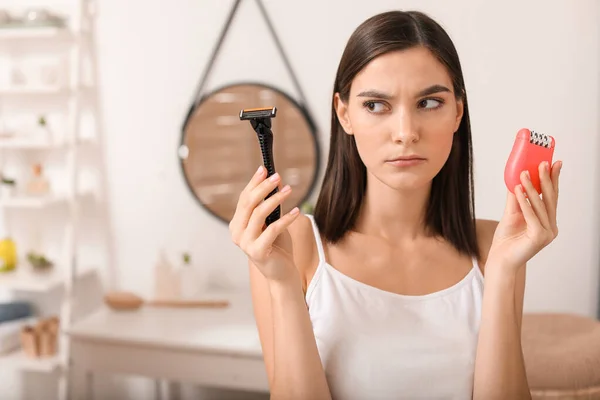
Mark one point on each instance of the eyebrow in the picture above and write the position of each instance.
(386, 96)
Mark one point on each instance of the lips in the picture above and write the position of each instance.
(406, 161)
(407, 158)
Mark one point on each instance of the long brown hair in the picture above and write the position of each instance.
(451, 208)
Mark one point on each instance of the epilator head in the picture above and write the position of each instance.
(529, 151)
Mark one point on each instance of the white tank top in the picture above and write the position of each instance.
(376, 344)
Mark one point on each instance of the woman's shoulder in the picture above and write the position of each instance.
(485, 234)
(305, 253)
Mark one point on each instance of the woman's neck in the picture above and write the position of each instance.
(392, 214)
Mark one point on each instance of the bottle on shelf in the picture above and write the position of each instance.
(38, 185)
(8, 254)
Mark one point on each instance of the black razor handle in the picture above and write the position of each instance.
(265, 139)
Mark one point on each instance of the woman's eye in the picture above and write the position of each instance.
(375, 106)
(430, 104)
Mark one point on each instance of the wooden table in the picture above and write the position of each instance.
(207, 347)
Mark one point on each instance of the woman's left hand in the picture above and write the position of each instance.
(527, 226)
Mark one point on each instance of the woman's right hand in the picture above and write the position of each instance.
(269, 248)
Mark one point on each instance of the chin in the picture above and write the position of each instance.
(407, 181)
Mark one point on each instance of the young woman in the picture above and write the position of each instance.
(380, 294)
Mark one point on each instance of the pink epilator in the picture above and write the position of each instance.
(529, 150)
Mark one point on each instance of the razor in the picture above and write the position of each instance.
(260, 119)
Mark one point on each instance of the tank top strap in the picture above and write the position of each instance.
(477, 268)
(318, 240)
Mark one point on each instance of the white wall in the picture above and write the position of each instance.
(526, 64)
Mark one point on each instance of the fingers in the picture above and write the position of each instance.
(260, 213)
(535, 201)
(512, 205)
(556, 168)
(242, 211)
(252, 195)
(549, 184)
(254, 181)
(248, 222)
(530, 218)
(540, 213)
(267, 238)
(555, 174)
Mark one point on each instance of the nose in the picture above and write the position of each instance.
(405, 128)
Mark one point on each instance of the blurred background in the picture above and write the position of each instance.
(122, 159)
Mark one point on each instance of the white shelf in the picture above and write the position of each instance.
(24, 144)
(31, 202)
(20, 144)
(24, 279)
(34, 91)
(18, 359)
(33, 32)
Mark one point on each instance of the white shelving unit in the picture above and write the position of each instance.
(63, 275)
(24, 280)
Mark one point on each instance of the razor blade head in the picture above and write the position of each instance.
(253, 113)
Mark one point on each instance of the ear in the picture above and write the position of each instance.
(341, 110)
(459, 113)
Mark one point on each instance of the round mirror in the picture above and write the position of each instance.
(219, 153)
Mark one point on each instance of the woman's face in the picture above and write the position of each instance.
(403, 114)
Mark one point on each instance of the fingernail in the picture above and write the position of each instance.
(559, 166)
(295, 211)
(274, 177)
(526, 173)
(259, 170)
(546, 166)
(286, 189)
